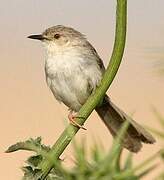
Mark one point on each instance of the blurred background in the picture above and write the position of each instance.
(28, 108)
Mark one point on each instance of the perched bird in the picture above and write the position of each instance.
(73, 71)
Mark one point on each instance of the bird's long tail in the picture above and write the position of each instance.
(113, 118)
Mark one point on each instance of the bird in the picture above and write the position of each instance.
(73, 71)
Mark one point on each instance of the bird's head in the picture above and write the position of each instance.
(60, 37)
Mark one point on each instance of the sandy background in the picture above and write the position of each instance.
(27, 107)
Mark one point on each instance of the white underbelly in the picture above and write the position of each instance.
(72, 91)
(71, 80)
(68, 83)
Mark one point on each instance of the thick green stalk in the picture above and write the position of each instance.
(95, 98)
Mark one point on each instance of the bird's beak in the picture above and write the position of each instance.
(37, 37)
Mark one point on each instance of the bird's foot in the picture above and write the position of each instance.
(72, 118)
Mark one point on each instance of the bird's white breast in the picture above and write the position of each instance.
(66, 79)
(69, 78)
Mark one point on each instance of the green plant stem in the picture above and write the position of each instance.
(95, 98)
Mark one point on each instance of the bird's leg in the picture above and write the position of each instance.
(72, 116)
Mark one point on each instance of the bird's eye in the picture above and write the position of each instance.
(57, 36)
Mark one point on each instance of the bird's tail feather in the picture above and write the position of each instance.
(113, 118)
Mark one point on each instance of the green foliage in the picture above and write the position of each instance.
(30, 145)
(100, 166)
(160, 134)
